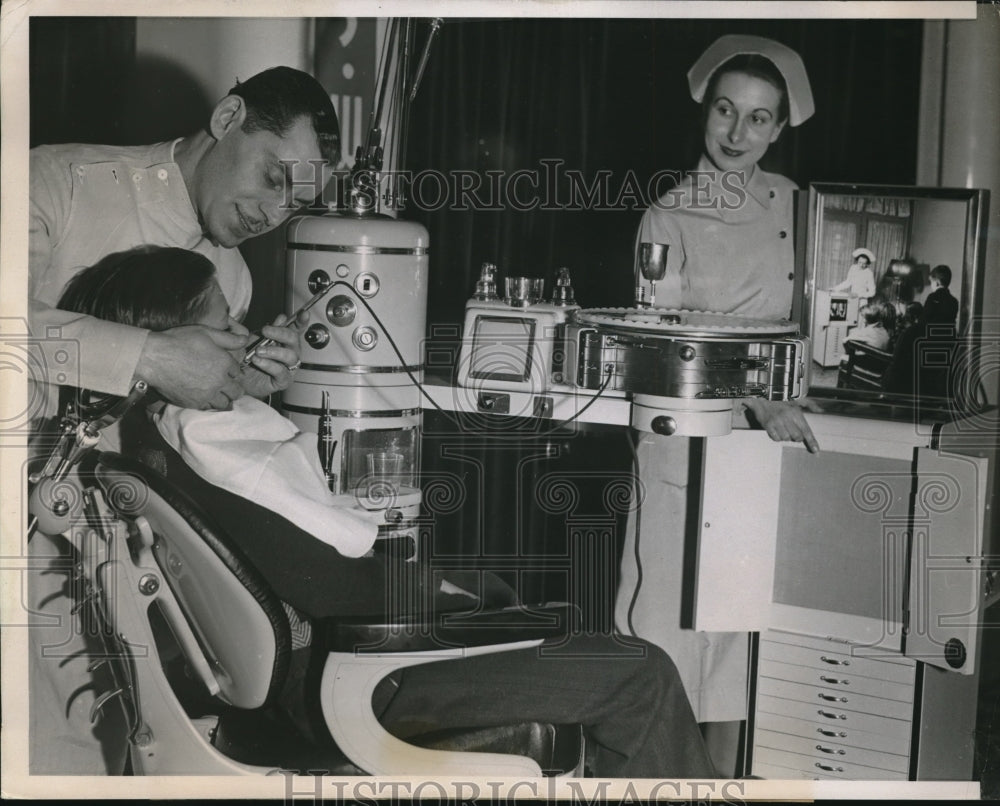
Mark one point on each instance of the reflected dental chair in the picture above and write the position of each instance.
(199, 646)
(865, 367)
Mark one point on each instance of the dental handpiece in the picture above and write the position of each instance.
(264, 341)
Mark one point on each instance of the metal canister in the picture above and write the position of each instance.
(363, 344)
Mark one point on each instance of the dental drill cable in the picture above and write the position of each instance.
(420, 386)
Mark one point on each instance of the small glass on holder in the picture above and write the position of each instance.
(651, 264)
(524, 291)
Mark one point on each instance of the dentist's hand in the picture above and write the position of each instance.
(271, 368)
(193, 366)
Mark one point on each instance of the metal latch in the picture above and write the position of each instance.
(494, 403)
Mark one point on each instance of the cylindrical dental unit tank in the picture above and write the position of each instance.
(362, 349)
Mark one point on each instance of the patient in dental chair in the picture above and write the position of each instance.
(251, 450)
(627, 695)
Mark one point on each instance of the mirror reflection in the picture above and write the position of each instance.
(895, 277)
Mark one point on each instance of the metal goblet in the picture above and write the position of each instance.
(653, 265)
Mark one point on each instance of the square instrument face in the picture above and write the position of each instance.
(513, 349)
(502, 348)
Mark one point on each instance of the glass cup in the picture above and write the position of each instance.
(524, 291)
(385, 467)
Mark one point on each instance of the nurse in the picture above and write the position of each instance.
(729, 228)
(860, 280)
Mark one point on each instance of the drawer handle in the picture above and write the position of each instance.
(831, 698)
(831, 750)
(834, 661)
(835, 680)
(831, 733)
(828, 768)
(828, 715)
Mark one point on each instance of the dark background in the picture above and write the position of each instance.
(505, 94)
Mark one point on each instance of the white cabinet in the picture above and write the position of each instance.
(822, 712)
(835, 315)
(866, 570)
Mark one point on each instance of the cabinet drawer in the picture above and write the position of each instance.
(835, 700)
(845, 647)
(836, 658)
(834, 718)
(839, 733)
(771, 757)
(776, 773)
(836, 680)
(830, 752)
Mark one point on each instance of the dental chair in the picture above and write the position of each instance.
(199, 646)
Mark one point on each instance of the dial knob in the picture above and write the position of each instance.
(664, 425)
(316, 336)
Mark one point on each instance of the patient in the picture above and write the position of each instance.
(250, 456)
(879, 323)
(629, 699)
(251, 450)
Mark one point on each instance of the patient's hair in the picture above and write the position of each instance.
(878, 311)
(153, 287)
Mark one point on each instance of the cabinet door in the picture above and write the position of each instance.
(739, 517)
(812, 544)
(946, 577)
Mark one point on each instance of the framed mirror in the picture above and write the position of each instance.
(892, 293)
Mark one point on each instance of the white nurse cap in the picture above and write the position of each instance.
(788, 62)
(862, 251)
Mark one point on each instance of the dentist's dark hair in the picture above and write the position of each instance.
(278, 97)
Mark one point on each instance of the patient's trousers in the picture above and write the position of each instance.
(629, 697)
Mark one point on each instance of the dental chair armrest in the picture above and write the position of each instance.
(445, 630)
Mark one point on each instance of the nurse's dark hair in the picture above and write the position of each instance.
(152, 287)
(278, 97)
(754, 65)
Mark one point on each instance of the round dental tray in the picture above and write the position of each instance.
(683, 323)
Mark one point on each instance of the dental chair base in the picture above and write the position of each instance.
(152, 559)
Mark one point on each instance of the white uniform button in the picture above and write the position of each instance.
(162, 174)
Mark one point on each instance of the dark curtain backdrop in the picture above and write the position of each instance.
(90, 85)
(77, 68)
(597, 95)
(612, 95)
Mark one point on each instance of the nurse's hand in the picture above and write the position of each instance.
(784, 421)
(271, 368)
(193, 366)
